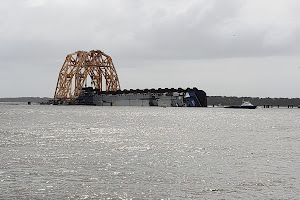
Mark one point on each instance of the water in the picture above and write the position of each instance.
(82, 152)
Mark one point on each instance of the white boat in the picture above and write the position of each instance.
(245, 105)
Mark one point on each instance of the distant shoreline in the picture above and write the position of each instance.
(223, 100)
(26, 99)
(211, 100)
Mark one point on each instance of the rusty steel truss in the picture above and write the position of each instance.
(78, 67)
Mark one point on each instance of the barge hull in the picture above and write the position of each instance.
(153, 97)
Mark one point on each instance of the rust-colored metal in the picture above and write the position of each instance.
(78, 67)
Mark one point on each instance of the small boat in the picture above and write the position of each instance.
(245, 105)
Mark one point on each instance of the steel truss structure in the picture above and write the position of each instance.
(78, 67)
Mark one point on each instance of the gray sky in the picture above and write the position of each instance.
(225, 47)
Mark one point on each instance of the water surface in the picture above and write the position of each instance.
(87, 152)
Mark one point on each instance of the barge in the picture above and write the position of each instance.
(190, 97)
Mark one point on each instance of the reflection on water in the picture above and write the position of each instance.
(82, 152)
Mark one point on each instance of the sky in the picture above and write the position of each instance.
(248, 48)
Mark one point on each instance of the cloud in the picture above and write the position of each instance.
(161, 30)
(38, 34)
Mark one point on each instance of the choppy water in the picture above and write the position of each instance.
(82, 152)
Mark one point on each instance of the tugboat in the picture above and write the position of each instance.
(245, 105)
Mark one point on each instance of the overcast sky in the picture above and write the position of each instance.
(225, 47)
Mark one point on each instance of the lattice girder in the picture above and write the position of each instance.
(78, 67)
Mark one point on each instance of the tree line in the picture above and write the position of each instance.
(26, 99)
(223, 100)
